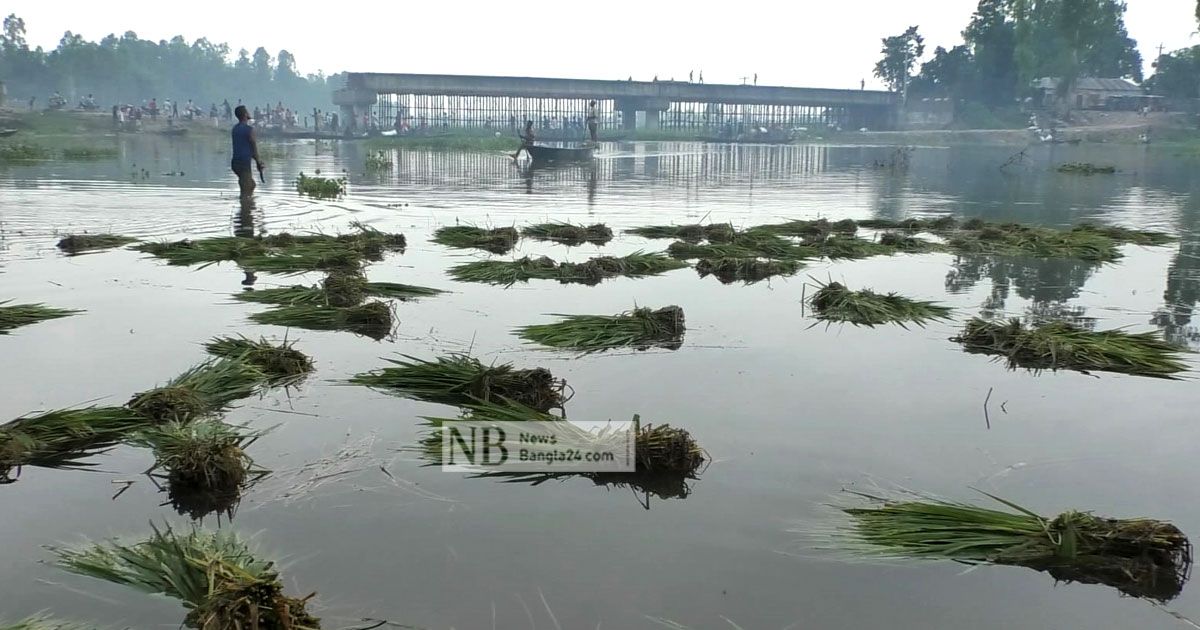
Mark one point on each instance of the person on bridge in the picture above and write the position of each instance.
(593, 120)
(527, 138)
(245, 148)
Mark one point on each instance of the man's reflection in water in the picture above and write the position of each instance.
(244, 227)
(591, 186)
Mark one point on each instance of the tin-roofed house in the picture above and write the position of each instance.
(1094, 93)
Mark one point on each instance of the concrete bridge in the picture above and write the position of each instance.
(657, 103)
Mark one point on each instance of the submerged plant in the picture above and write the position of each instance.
(203, 390)
(62, 438)
(459, 379)
(835, 302)
(321, 187)
(748, 270)
(640, 328)
(19, 315)
(373, 319)
(279, 362)
(1059, 345)
(216, 576)
(80, 243)
(569, 234)
(496, 240)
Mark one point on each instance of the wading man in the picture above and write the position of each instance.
(593, 120)
(245, 148)
(527, 138)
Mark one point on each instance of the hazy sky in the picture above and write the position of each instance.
(818, 43)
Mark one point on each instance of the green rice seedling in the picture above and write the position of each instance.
(89, 153)
(20, 152)
(569, 234)
(1085, 168)
(216, 576)
(819, 228)
(834, 302)
(497, 240)
(19, 315)
(205, 251)
(635, 265)
(898, 242)
(640, 328)
(80, 243)
(344, 288)
(693, 233)
(321, 187)
(44, 622)
(62, 438)
(397, 291)
(1126, 235)
(505, 272)
(1140, 557)
(748, 270)
(1018, 240)
(1060, 345)
(279, 362)
(378, 161)
(203, 390)
(459, 379)
(750, 244)
(373, 319)
(300, 295)
(304, 258)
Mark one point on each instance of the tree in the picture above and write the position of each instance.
(1177, 74)
(953, 73)
(13, 38)
(900, 55)
(1068, 39)
(261, 63)
(991, 38)
(285, 68)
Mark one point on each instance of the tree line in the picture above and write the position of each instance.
(128, 69)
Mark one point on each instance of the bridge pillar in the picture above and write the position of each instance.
(628, 119)
(652, 116)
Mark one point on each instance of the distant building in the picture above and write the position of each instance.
(1094, 93)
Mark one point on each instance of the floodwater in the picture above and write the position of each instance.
(790, 413)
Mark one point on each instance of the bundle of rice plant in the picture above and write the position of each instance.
(459, 379)
(749, 244)
(44, 622)
(320, 187)
(203, 390)
(1060, 345)
(204, 251)
(694, 233)
(373, 319)
(80, 243)
(344, 288)
(285, 296)
(304, 258)
(505, 272)
(635, 265)
(1019, 240)
(819, 228)
(277, 361)
(835, 302)
(215, 575)
(1085, 168)
(283, 253)
(1126, 235)
(640, 328)
(19, 315)
(1139, 557)
(397, 291)
(62, 438)
(748, 270)
(497, 240)
(904, 243)
(569, 234)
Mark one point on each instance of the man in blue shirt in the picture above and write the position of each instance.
(245, 148)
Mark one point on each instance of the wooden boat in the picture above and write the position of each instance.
(548, 155)
(4, 133)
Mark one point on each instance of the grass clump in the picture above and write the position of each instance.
(80, 243)
(459, 379)
(89, 153)
(1060, 345)
(1139, 557)
(277, 361)
(19, 315)
(748, 270)
(496, 240)
(62, 438)
(373, 319)
(835, 302)
(1085, 168)
(378, 161)
(201, 391)
(505, 272)
(216, 576)
(20, 152)
(320, 187)
(640, 328)
(569, 234)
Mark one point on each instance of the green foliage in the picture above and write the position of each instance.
(89, 153)
(568, 234)
(14, 152)
(900, 54)
(317, 295)
(321, 187)
(640, 328)
(1085, 168)
(277, 361)
(505, 272)
(748, 270)
(62, 438)
(378, 161)
(496, 240)
(203, 390)
(373, 319)
(694, 233)
(459, 379)
(19, 315)
(834, 302)
(80, 243)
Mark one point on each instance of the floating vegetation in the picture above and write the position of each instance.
(79, 243)
(940, 224)
(1139, 557)
(203, 390)
(568, 234)
(44, 622)
(1017, 240)
(748, 270)
(1126, 235)
(1085, 168)
(215, 574)
(203, 464)
(89, 153)
(19, 315)
(496, 240)
(317, 295)
(373, 319)
(23, 153)
(751, 244)
(62, 438)
(378, 161)
(321, 187)
(397, 291)
(898, 242)
(459, 379)
(694, 233)
(819, 228)
(834, 302)
(640, 328)
(1060, 345)
(505, 272)
(279, 362)
(344, 288)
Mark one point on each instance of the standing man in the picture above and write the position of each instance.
(245, 148)
(593, 120)
(527, 138)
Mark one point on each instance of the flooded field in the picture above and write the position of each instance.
(790, 410)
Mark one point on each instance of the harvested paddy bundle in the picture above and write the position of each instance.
(1085, 168)
(1018, 240)
(1060, 345)
(1139, 557)
(1126, 235)
(898, 242)
(19, 315)
(373, 319)
(203, 390)
(18, 152)
(750, 244)
(635, 265)
(285, 296)
(89, 153)
(279, 362)
(283, 253)
(569, 234)
(818, 228)
(62, 438)
(320, 187)
(748, 270)
(44, 622)
(640, 328)
(694, 233)
(459, 379)
(215, 575)
(80, 243)
(343, 288)
(940, 224)
(835, 302)
(505, 272)
(204, 251)
(497, 240)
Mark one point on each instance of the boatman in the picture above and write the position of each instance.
(245, 148)
(593, 120)
(526, 140)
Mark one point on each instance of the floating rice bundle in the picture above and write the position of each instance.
(19, 315)
(80, 243)
(204, 251)
(748, 270)
(459, 379)
(283, 253)
(569, 234)
(203, 390)
(506, 272)
(279, 362)
(44, 622)
(898, 242)
(203, 464)
(694, 233)
(1061, 345)
(89, 153)
(343, 288)
(1140, 557)
(304, 258)
(397, 291)
(835, 302)
(640, 328)
(1018, 240)
(1126, 235)
(373, 319)
(750, 244)
(320, 187)
(1085, 168)
(215, 575)
(940, 224)
(62, 438)
(818, 228)
(20, 152)
(317, 295)
(497, 240)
